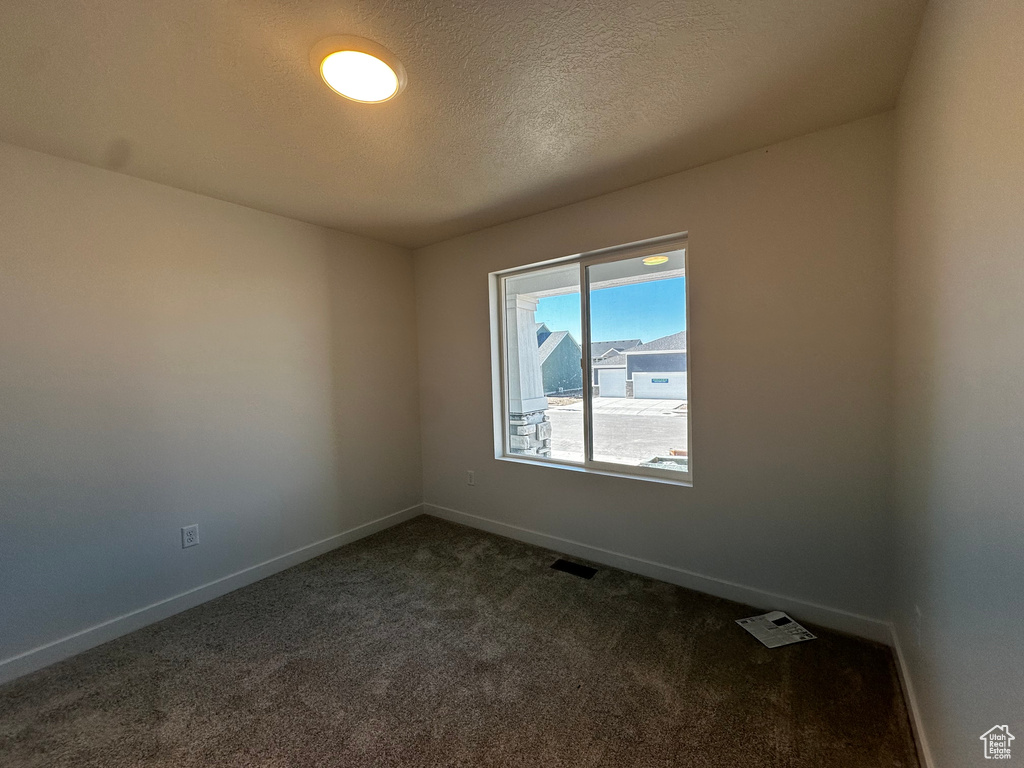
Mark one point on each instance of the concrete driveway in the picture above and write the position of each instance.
(626, 431)
(626, 406)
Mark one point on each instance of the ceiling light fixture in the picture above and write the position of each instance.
(653, 261)
(358, 69)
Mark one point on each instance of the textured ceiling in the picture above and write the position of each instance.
(512, 107)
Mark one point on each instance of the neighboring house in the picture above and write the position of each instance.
(599, 349)
(559, 361)
(655, 370)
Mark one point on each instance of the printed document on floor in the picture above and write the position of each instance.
(775, 629)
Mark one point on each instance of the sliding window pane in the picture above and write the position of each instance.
(639, 362)
(543, 364)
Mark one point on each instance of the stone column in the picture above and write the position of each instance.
(529, 426)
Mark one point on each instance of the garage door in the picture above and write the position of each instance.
(612, 382)
(658, 386)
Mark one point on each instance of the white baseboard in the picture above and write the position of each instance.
(50, 653)
(916, 725)
(833, 618)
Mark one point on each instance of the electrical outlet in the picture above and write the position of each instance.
(189, 536)
(470, 477)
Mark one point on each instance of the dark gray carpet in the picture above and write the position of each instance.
(431, 644)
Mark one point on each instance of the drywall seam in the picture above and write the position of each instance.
(916, 723)
(68, 646)
(833, 618)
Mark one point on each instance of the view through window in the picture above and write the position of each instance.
(595, 362)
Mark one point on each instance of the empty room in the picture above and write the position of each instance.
(498, 383)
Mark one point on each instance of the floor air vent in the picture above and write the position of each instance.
(583, 571)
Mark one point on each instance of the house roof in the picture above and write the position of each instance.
(615, 361)
(675, 342)
(551, 343)
(601, 348)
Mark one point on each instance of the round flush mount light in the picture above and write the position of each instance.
(358, 69)
(653, 261)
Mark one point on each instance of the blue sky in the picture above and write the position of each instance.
(642, 311)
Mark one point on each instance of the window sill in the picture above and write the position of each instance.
(555, 464)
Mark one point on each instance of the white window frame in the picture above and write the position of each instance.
(502, 450)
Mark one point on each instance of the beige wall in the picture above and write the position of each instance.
(168, 359)
(960, 375)
(790, 288)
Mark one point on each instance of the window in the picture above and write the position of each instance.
(591, 362)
